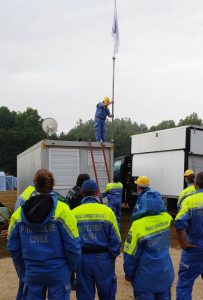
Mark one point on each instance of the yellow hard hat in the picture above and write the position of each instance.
(142, 181)
(106, 100)
(188, 173)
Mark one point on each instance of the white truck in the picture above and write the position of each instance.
(66, 160)
(163, 156)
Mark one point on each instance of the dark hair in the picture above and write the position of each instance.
(199, 180)
(143, 187)
(44, 181)
(81, 178)
(191, 178)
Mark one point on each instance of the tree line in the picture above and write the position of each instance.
(21, 130)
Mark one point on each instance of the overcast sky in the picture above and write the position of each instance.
(56, 57)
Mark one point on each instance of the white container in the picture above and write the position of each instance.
(164, 155)
(66, 160)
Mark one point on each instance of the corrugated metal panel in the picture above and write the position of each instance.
(64, 164)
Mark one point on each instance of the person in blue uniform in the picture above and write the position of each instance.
(142, 183)
(189, 228)
(102, 112)
(26, 194)
(189, 177)
(113, 192)
(44, 243)
(147, 263)
(100, 243)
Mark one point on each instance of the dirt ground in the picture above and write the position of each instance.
(9, 281)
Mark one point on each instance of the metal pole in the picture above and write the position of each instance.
(113, 85)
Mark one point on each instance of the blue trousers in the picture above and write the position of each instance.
(20, 290)
(116, 207)
(37, 292)
(154, 296)
(99, 128)
(96, 270)
(191, 266)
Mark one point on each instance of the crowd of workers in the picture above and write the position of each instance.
(51, 237)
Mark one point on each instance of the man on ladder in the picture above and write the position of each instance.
(102, 112)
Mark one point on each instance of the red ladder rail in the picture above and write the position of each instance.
(94, 167)
(105, 162)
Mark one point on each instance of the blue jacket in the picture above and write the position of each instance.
(102, 111)
(43, 241)
(146, 250)
(29, 191)
(190, 219)
(113, 192)
(188, 191)
(97, 227)
(138, 203)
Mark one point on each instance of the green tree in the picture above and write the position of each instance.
(83, 131)
(163, 125)
(122, 131)
(18, 131)
(192, 119)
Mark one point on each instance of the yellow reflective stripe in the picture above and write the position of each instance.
(190, 189)
(91, 212)
(194, 201)
(15, 218)
(27, 192)
(113, 185)
(146, 227)
(64, 215)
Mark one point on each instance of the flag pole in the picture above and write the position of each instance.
(115, 35)
(113, 86)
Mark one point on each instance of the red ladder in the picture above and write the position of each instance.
(94, 165)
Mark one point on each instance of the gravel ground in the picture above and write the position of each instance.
(9, 281)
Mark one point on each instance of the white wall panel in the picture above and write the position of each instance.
(196, 145)
(165, 170)
(162, 140)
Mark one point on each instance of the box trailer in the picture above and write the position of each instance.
(66, 160)
(163, 156)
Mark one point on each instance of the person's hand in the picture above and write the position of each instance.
(182, 238)
(3, 235)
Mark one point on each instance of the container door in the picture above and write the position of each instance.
(64, 164)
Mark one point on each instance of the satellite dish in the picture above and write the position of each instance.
(49, 125)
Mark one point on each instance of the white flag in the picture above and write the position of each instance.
(115, 32)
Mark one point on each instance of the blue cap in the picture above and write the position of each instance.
(89, 186)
